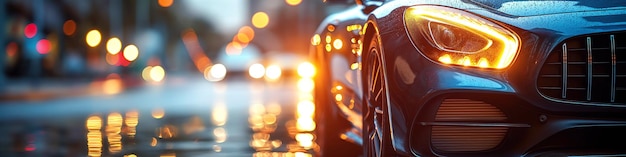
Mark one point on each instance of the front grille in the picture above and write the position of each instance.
(586, 69)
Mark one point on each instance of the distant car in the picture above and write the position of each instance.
(473, 78)
(284, 63)
(235, 65)
(250, 63)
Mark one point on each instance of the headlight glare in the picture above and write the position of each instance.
(452, 36)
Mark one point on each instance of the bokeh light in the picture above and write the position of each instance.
(69, 27)
(112, 85)
(157, 73)
(114, 45)
(306, 69)
(305, 124)
(216, 72)
(316, 40)
(93, 123)
(145, 73)
(94, 136)
(158, 113)
(112, 59)
(293, 2)
(11, 49)
(43, 46)
(260, 19)
(306, 84)
(30, 30)
(338, 44)
(256, 70)
(243, 38)
(166, 3)
(233, 48)
(132, 120)
(306, 108)
(273, 72)
(131, 52)
(247, 31)
(220, 134)
(93, 38)
(219, 115)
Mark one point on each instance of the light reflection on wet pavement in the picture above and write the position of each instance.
(182, 117)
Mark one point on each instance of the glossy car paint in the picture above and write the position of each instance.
(335, 69)
(416, 84)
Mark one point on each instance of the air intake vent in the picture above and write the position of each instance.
(465, 138)
(586, 69)
(466, 110)
(464, 125)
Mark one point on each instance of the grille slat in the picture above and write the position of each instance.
(564, 74)
(458, 139)
(592, 69)
(613, 67)
(589, 68)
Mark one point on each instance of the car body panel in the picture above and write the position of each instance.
(337, 102)
(538, 8)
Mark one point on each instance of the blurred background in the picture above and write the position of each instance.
(149, 77)
(86, 40)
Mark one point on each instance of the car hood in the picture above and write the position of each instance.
(535, 8)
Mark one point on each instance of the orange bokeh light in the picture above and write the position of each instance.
(248, 31)
(11, 49)
(190, 39)
(112, 85)
(243, 38)
(69, 27)
(112, 59)
(166, 3)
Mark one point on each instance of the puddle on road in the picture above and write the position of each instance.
(275, 128)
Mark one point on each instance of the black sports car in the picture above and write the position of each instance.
(473, 78)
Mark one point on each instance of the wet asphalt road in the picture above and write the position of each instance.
(184, 116)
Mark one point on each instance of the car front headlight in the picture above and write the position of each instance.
(452, 36)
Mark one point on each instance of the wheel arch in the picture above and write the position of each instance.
(371, 30)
